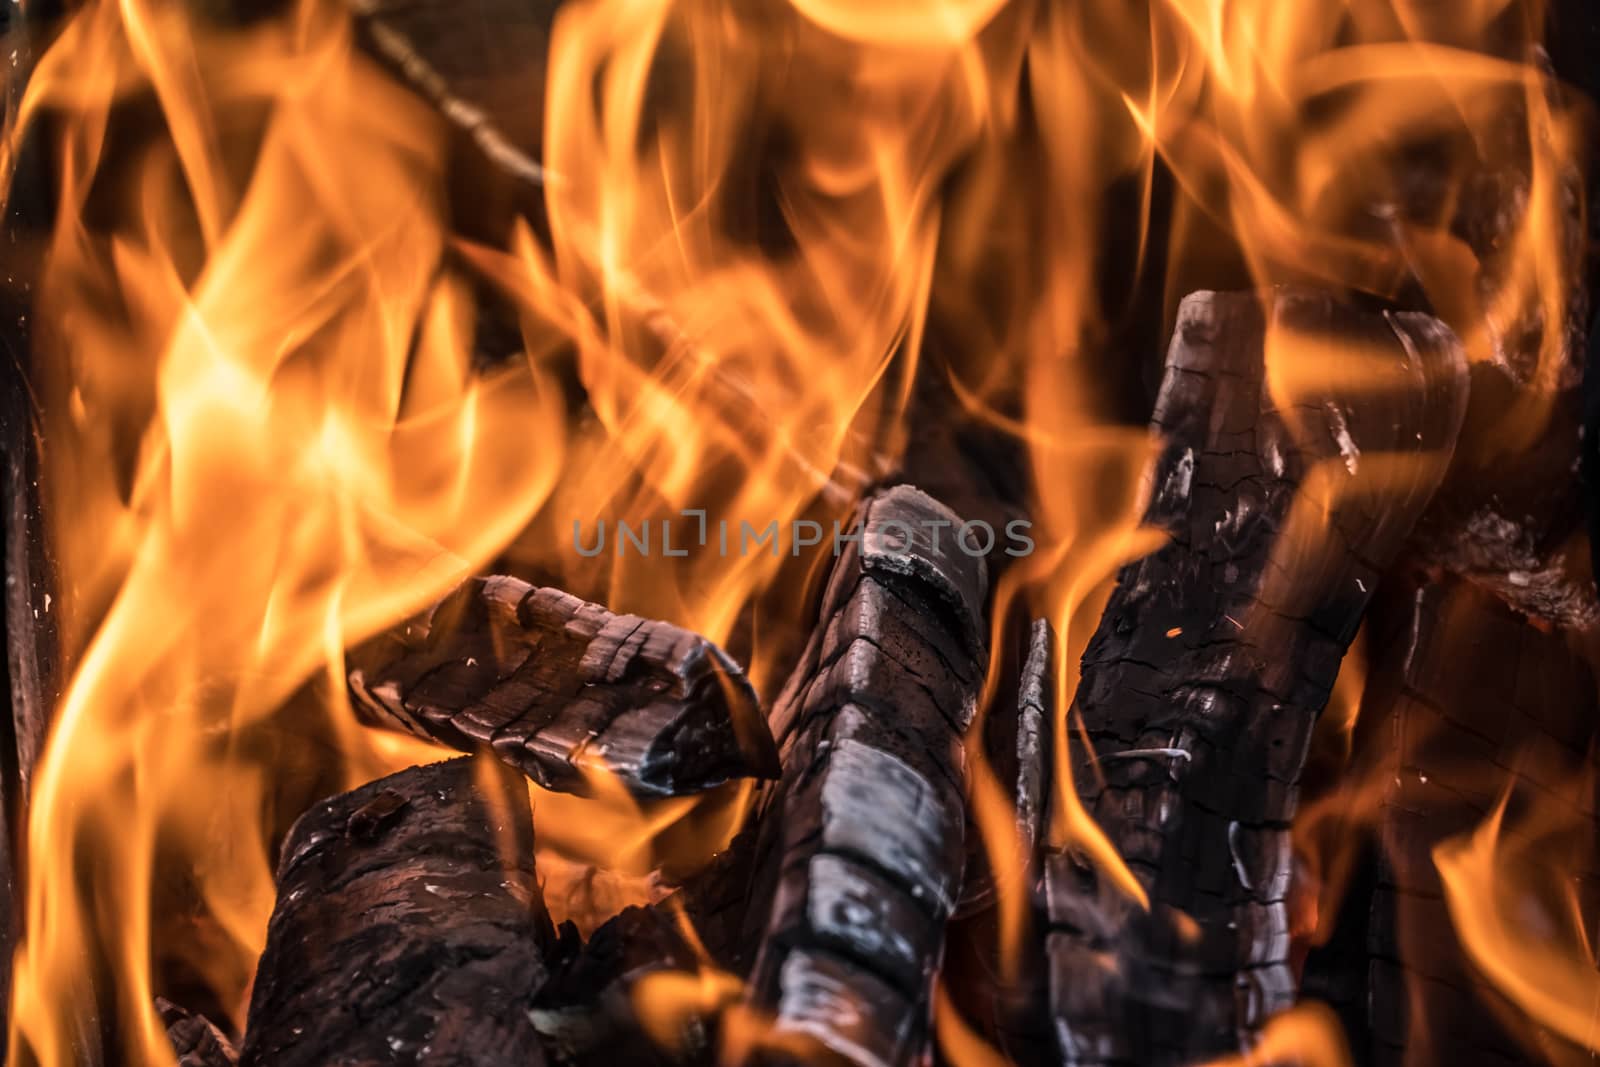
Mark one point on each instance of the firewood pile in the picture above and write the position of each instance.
(1170, 822)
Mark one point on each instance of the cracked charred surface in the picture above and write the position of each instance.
(864, 835)
(409, 927)
(557, 686)
(195, 1039)
(1215, 654)
(1471, 702)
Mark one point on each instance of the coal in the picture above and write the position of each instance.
(562, 689)
(1215, 654)
(409, 927)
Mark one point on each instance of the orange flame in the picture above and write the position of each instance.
(269, 437)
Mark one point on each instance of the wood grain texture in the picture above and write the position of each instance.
(1285, 501)
(559, 687)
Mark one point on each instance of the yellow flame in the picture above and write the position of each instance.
(268, 435)
(1514, 903)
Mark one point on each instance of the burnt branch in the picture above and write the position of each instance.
(480, 62)
(870, 813)
(1215, 654)
(409, 927)
(557, 686)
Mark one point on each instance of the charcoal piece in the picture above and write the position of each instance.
(195, 1039)
(1472, 703)
(480, 62)
(1215, 653)
(864, 835)
(558, 686)
(409, 927)
(585, 1013)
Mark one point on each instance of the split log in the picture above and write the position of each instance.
(1215, 654)
(1471, 702)
(559, 687)
(869, 816)
(195, 1039)
(409, 927)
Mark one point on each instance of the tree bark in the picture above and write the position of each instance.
(409, 927)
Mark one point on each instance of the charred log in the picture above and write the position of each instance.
(558, 688)
(196, 1039)
(409, 927)
(1481, 706)
(1214, 655)
(866, 842)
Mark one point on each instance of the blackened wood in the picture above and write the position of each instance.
(1214, 655)
(867, 824)
(586, 1012)
(1001, 988)
(29, 592)
(1471, 702)
(1514, 523)
(195, 1039)
(409, 927)
(556, 685)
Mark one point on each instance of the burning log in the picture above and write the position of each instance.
(1215, 654)
(868, 833)
(1481, 702)
(195, 1039)
(558, 687)
(409, 927)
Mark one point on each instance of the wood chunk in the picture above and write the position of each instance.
(1216, 652)
(557, 686)
(195, 1039)
(409, 927)
(865, 831)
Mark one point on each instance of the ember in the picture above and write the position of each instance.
(871, 532)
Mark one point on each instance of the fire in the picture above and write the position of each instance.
(1518, 911)
(269, 434)
(269, 440)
